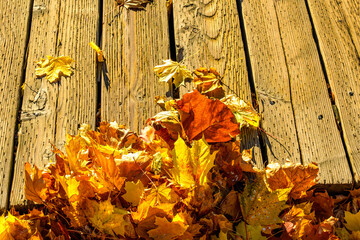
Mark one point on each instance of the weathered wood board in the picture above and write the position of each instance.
(271, 79)
(49, 111)
(208, 34)
(134, 42)
(338, 35)
(14, 20)
(319, 138)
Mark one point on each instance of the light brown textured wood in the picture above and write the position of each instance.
(208, 34)
(271, 79)
(13, 30)
(134, 42)
(319, 138)
(342, 62)
(50, 110)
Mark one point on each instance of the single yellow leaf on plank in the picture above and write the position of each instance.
(172, 70)
(99, 52)
(54, 67)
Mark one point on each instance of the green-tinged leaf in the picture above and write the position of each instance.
(352, 221)
(260, 206)
(250, 232)
(191, 165)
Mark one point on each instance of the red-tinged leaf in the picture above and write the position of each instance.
(211, 118)
(35, 185)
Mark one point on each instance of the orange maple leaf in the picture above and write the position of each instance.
(35, 185)
(211, 118)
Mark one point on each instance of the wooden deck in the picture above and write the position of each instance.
(299, 58)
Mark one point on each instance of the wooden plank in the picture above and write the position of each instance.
(134, 42)
(13, 32)
(50, 110)
(342, 62)
(208, 34)
(319, 138)
(271, 79)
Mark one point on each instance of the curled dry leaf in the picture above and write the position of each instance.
(54, 67)
(172, 70)
(208, 82)
(133, 4)
(244, 112)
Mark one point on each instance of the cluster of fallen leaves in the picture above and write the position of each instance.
(184, 177)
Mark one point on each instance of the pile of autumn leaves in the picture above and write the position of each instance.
(184, 177)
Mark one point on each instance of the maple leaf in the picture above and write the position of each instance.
(134, 192)
(211, 118)
(352, 221)
(244, 112)
(53, 68)
(230, 205)
(12, 227)
(132, 4)
(255, 196)
(35, 185)
(191, 165)
(99, 52)
(296, 176)
(108, 218)
(168, 230)
(250, 232)
(172, 70)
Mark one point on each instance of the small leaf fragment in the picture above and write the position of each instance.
(99, 52)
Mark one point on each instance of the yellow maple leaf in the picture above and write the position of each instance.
(244, 112)
(99, 52)
(251, 232)
(54, 67)
(255, 196)
(172, 70)
(107, 218)
(191, 165)
(352, 221)
(168, 230)
(134, 192)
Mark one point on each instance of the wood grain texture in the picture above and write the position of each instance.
(271, 79)
(208, 34)
(319, 138)
(134, 42)
(50, 110)
(13, 30)
(342, 62)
